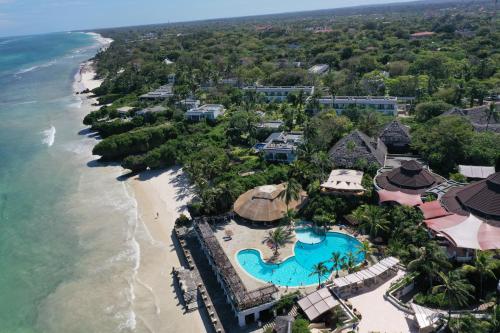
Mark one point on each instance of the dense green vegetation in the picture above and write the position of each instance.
(369, 52)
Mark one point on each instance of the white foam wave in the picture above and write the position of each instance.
(50, 136)
(33, 68)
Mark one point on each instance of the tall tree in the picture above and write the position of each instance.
(319, 269)
(336, 260)
(457, 290)
(278, 237)
(484, 265)
(291, 192)
(430, 261)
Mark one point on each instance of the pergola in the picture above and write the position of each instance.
(317, 303)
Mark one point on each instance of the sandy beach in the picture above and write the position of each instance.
(161, 196)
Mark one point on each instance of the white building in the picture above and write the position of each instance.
(163, 92)
(207, 111)
(280, 93)
(189, 103)
(387, 105)
(282, 147)
(319, 69)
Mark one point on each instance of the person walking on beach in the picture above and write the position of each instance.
(157, 216)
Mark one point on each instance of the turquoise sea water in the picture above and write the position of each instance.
(296, 271)
(67, 248)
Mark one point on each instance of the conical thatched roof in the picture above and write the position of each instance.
(355, 147)
(263, 203)
(395, 134)
(409, 178)
(482, 197)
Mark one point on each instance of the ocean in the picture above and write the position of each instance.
(68, 227)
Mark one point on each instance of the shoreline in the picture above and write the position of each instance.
(154, 300)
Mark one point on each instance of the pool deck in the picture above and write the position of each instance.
(248, 236)
(378, 314)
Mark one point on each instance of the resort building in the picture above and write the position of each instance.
(270, 124)
(467, 217)
(162, 93)
(344, 181)
(265, 204)
(357, 150)
(280, 94)
(123, 112)
(478, 117)
(189, 103)
(386, 105)
(396, 137)
(421, 35)
(409, 178)
(318, 69)
(207, 111)
(151, 110)
(246, 305)
(282, 146)
(472, 172)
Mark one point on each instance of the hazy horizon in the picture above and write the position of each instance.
(25, 17)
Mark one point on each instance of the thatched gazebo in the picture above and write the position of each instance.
(396, 137)
(264, 204)
(349, 151)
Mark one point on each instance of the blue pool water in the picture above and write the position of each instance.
(308, 236)
(295, 271)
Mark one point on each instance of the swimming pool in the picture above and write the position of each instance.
(295, 271)
(306, 234)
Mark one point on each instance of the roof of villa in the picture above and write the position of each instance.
(395, 132)
(409, 178)
(263, 203)
(481, 198)
(478, 117)
(473, 171)
(344, 180)
(355, 147)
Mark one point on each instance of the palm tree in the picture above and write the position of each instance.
(289, 218)
(484, 265)
(492, 112)
(336, 259)
(278, 237)
(321, 270)
(349, 262)
(371, 218)
(430, 260)
(457, 291)
(366, 248)
(291, 192)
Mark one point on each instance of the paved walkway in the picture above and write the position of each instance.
(379, 315)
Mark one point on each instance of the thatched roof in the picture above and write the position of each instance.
(481, 198)
(355, 147)
(395, 134)
(263, 203)
(478, 117)
(409, 178)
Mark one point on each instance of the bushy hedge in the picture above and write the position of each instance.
(134, 143)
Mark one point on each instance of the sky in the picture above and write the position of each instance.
(24, 17)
